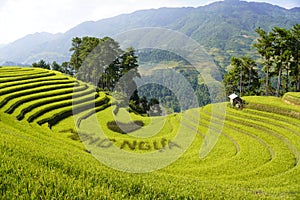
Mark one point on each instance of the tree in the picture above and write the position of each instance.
(129, 61)
(94, 56)
(282, 55)
(75, 61)
(243, 74)
(67, 69)
(280, 49)
(56, 67)
(128, 70)
(82, 50)
(234, 78)
(295, 34)
(103, 63)
(42, 64)
(111, 53)
(264, 48)
(253, 78)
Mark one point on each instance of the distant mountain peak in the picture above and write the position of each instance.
(232, 1)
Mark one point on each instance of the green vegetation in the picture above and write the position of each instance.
(161, 81)
(280, 51)
(64, 67)
(102, 62)
(243, 77)
(53, 126)
(256, 157)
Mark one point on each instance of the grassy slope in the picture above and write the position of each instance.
(292, 98)
(256, 156)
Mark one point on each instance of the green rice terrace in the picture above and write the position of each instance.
(43, 113)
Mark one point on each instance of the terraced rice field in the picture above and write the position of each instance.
(41, 96)
(292, 98)
(256, 155)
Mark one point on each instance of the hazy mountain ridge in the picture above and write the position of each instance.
(224, 28)
(30, 45)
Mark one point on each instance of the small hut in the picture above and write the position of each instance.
(236, 101)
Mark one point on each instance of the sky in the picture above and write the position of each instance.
(21, 17)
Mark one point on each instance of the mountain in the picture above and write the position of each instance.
(29, 48)
(224, 28)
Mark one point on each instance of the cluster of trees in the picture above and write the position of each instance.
(243, 77)
(167, 98)
(64, 67)
(143, 106)
(103, 63)
(280, 51)
(98, 61)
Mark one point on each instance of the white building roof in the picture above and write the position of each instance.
(233, 96)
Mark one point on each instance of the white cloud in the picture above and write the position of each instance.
(19, 17)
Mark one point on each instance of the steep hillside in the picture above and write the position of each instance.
(225, 28)
(46, 97)
(256, 154)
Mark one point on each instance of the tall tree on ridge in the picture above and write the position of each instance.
(75, 59)
(282, 54)
(243, 74)
(253, 79)
(296, 55)
(264, 48)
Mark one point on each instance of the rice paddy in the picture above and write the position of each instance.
(47, 152)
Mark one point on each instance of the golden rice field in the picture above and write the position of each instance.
(49, 142)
